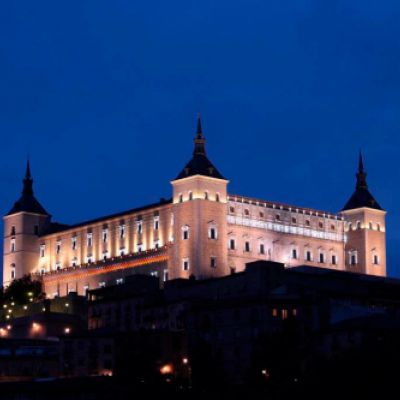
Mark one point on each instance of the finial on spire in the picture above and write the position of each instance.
(199, 140)
(199, 130)
(361, 174)
(28, 181)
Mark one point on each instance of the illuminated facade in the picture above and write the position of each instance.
(202, 232)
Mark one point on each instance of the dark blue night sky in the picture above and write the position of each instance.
(104, 96)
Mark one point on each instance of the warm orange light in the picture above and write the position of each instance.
(36, 327)
(3, 332)
(166, 369)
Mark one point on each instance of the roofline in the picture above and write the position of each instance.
(25, 212)
(110, 216)
(199, 175)
(358, 209)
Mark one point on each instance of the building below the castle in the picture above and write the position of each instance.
(201, 232)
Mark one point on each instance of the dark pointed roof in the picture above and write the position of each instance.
(199, 164)
(27, 202)
(361, 196)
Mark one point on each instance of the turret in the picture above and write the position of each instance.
(23, 224)
(365, 229)
(200, 227)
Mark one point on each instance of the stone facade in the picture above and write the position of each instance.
(202, 232)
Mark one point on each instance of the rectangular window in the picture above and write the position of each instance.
(156, 244)
(284, 313)
(165, 275)
(119, 281)
(185, 233)
(321, 257)
(294, 254)
(13, 230)
(246, 246)
(104, 235)
(89, 239)
(139, 248)
(353, 258)
(154, 273)
(73, 242)
(156, 223)
(185, 264)
(42, 250)
(376, 259)
(308, 255)
(74, 262)
(212, 233)
(13, 273)
(122, 251)
(334, 259)
(89, 259)
(122, 231)
(213, 262)
(262, 248)
(102, 284)
(232, 244)
(12, 245)
(58, 266)
(139, 227)
(58, 247)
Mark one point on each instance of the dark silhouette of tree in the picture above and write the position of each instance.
(22, 290)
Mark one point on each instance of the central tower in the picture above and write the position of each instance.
(199, 217)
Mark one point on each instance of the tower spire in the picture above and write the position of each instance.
(28, 181)
(199, 141)
(361, 174)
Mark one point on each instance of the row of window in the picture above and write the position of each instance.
(294, 220)
(358, 225)
(186, 263)
(206, 196)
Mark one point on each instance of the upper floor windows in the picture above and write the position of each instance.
(190, 195)
(334, 259)
(185, 264)
(139, 227)
(375, 259)
(104, 235)
(12, 245)
(205, 195)
(294, 220)
(353, 257)
(89, 239)
(73, 242)
(277, 217)
(185, 232)
(156, 223)
(378, 227)
(122, 231)
(213, 262)
(358, 225)
(308, 255)
(180, 198)
(294, 254)
(58, 247)
(231, 209)
(321, 257)
(13, 230)
(246, 212)
(212, 232)
(308, 222)
(247, 246)
(42, 250)
(217, 197)
(232, 244)
(262, 248)
(320, 225)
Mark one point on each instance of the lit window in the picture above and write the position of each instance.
(102, 284)
(122, 251)
(165, 275)
(185, 264)
(58, 247)
(156, 223)
(119, 281)
(139, 227)
(156, 244)
(185, 232)
(90, 239)
(139, 248)
(73, 242)
(274, 312)
(74, 262)
(353, 258)
(284, 313)
(12, 271)
(122, 231)
(212, 233)
(104, 235)
(154, 273)
(42, 250)
(262, 248)
(246, 246)
(89, 259)
(294, 254)
(213, 262)
(58, 266)
(12, 245)
(232, 244)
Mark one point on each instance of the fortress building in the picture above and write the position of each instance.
(202, 232)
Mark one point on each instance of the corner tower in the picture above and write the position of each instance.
(22, 227)
(199, 217)
(365, 229)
